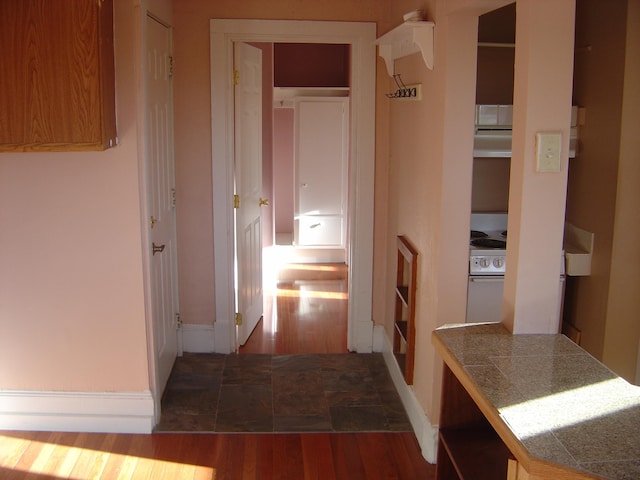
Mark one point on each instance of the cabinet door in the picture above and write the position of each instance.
(57, 75)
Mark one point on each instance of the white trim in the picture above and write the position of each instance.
(361, 37)
(77, 411)
(426, 433)
(379, 338)
(197, 338)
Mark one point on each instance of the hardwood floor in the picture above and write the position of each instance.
(211, 456)
(305, 312)
(310, 317)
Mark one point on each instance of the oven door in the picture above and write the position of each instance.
(484, 298)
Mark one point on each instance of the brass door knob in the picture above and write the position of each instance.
(263, 202)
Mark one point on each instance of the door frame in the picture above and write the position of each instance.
(361, 37)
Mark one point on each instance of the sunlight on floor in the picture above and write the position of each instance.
(60, 461)
(305, 293)
(315, 267)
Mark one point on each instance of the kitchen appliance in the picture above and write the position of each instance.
(487, 265)
(493, 130)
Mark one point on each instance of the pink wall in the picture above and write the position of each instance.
(430, 187)
(72, 312)
(542, 103)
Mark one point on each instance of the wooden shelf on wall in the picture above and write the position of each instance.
(405, 307)
(405, 39)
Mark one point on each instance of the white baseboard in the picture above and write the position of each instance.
(378, 338)
(197, 338)
(426, 433)
(77, 411)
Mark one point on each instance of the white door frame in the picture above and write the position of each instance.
(361, 37)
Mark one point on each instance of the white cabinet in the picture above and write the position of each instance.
(321, 159)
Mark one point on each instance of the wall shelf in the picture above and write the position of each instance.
(405, 308)
(407, 38)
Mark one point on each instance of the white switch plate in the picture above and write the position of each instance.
(548, 146)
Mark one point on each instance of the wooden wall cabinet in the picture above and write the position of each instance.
(57, 75)
(405, 308)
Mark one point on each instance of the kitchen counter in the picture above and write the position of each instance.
(559, 412)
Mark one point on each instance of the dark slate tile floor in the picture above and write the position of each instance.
(281, 393)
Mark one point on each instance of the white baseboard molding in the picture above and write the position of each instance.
(197, 338)
(109, 412)
(426, 433)
(379, 338)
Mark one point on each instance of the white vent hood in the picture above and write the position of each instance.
(492, 137)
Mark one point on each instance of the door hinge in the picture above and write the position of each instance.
(170, 66)
(178, 321)
(173, 197)
(236, 201)
(238, 319)
(236, 77)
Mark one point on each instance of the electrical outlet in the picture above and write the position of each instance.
(548, 146)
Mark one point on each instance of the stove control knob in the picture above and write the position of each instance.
(484, 262)
(498, 262)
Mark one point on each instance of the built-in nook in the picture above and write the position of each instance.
(494, 86)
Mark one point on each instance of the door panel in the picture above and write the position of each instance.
(321, 138)
(320, 230)
(248, 178)
(160, 188)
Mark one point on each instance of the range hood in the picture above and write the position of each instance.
(492, 137)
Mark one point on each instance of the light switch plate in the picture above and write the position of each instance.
(548, 146)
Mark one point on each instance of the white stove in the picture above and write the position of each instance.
(487, 266)
(488, 243)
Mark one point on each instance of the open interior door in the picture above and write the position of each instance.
(161, 208)
(248, 187)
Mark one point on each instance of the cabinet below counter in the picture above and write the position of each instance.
(532, 407)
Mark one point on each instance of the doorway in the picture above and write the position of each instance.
(360, 37)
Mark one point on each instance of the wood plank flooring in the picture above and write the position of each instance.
(37, 455)
(305, 312)
(305, 295)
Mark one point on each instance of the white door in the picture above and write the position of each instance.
(161, 208)
(248, 185)
(321, 138)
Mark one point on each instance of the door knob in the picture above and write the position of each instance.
(156, 248)
(263, 202)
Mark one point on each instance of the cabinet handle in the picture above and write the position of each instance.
(487, 279)
(157, 248)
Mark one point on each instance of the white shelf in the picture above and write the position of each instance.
(407, 38)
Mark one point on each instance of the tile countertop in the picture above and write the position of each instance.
(561, 404)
